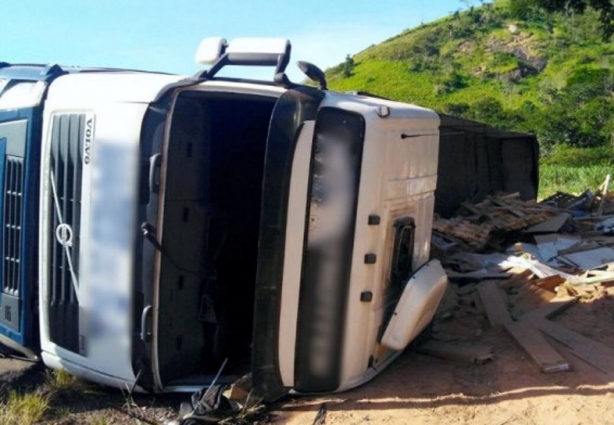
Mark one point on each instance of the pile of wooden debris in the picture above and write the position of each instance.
(519, 263)
(478, 225)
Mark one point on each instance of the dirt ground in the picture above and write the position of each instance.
(419, 389)
(416, 389)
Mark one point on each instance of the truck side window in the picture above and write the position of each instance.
(16, 94)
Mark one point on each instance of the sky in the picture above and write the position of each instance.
(162, 35)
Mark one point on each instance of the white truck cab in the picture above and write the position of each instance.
(276, 228)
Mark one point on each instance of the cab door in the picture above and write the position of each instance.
(310, 193)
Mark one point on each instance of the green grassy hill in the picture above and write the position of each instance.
(509, 66)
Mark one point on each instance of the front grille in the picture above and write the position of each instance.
(65, 212)
(13, 203)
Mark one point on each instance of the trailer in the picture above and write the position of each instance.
(477, 160)
(278, 229)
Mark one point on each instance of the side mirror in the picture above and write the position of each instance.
(313, 73)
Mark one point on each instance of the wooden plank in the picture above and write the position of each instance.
(549, 283)
(573, 291)
(578, 280)
(466, 289)
(471, 208)
(494, 304)
(521, 273)
(477, 302)
(519, 276)
(529, 298)
(535, 345)
(591, 351)
(603, 273)
(542, 270)
(463, 352)
(551, 309)
(462, 227)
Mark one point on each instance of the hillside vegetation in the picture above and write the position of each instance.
(506, 64)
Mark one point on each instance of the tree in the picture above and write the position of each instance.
(580, 114)
(522, 9)
(567, 7)
(348, 66)
(456, 109)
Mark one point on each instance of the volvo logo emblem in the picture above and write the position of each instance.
(63, 234)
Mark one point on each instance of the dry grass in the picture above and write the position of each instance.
(55, 397)
(59, 383)
(101, 420)
(37, 406)
(23, 409)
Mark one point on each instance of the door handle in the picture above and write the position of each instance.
(154, 165)
(145, 316)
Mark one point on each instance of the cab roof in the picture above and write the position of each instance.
(48, 72)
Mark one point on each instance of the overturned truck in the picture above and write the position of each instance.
(275, 228)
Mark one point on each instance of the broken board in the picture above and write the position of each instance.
(494, 303)
(550, 309)
(589, 350)
(549, 283)
(537, 347)
(528, 298)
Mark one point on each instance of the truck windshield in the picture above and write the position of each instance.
(20, 94)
